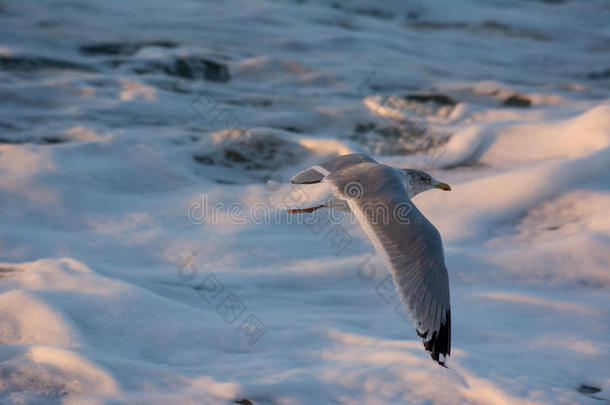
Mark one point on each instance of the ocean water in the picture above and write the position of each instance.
(141, 260)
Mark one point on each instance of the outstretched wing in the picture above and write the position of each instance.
(317, 173)
(409, 245)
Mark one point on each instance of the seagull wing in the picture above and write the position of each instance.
(409, 245)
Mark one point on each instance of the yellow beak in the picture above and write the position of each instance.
(443, 186)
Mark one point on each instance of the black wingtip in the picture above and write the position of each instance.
(439, 345)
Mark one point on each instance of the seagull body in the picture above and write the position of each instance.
(408, 244)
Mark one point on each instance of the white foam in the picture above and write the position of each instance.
(103, 276)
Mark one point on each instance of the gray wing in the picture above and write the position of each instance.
(409, 245)
(317, 173)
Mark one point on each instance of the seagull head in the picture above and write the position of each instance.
(418, 181)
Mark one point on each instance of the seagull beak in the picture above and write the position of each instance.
(443, 186)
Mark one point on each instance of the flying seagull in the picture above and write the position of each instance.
(409, 245)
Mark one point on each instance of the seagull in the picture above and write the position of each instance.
(408, 244)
